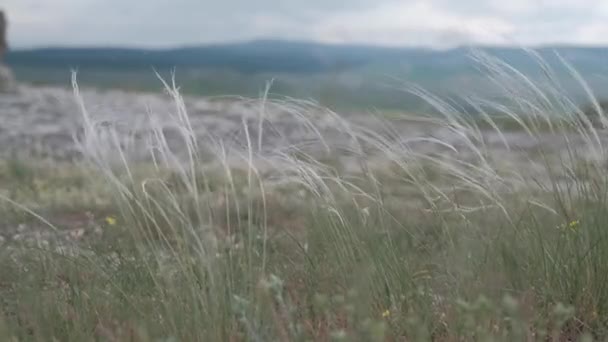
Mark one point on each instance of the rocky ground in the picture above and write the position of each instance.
(42, 122)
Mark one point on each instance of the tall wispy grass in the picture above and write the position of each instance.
(423, 237)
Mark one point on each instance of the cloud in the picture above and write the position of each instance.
(412, 23)
(593, 32)
(438, 23)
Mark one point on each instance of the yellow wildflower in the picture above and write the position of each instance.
(574, 224)
(111, 220)
(386, 313)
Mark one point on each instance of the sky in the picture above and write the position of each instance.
(426, 23)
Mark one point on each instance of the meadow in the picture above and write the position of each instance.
(493, 230)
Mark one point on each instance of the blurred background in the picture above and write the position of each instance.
(348, 55)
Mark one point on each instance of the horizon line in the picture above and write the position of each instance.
(309, 42)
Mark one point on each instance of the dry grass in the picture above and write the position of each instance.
(451, 245)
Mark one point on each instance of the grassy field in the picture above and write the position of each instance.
(446, 246)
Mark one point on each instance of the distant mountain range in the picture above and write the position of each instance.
(290, 56)
(351, 76)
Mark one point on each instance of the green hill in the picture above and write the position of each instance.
(349, 76)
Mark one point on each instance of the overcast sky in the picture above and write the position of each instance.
(435, 23)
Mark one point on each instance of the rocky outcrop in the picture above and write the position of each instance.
(3, 43)
(7, 80)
